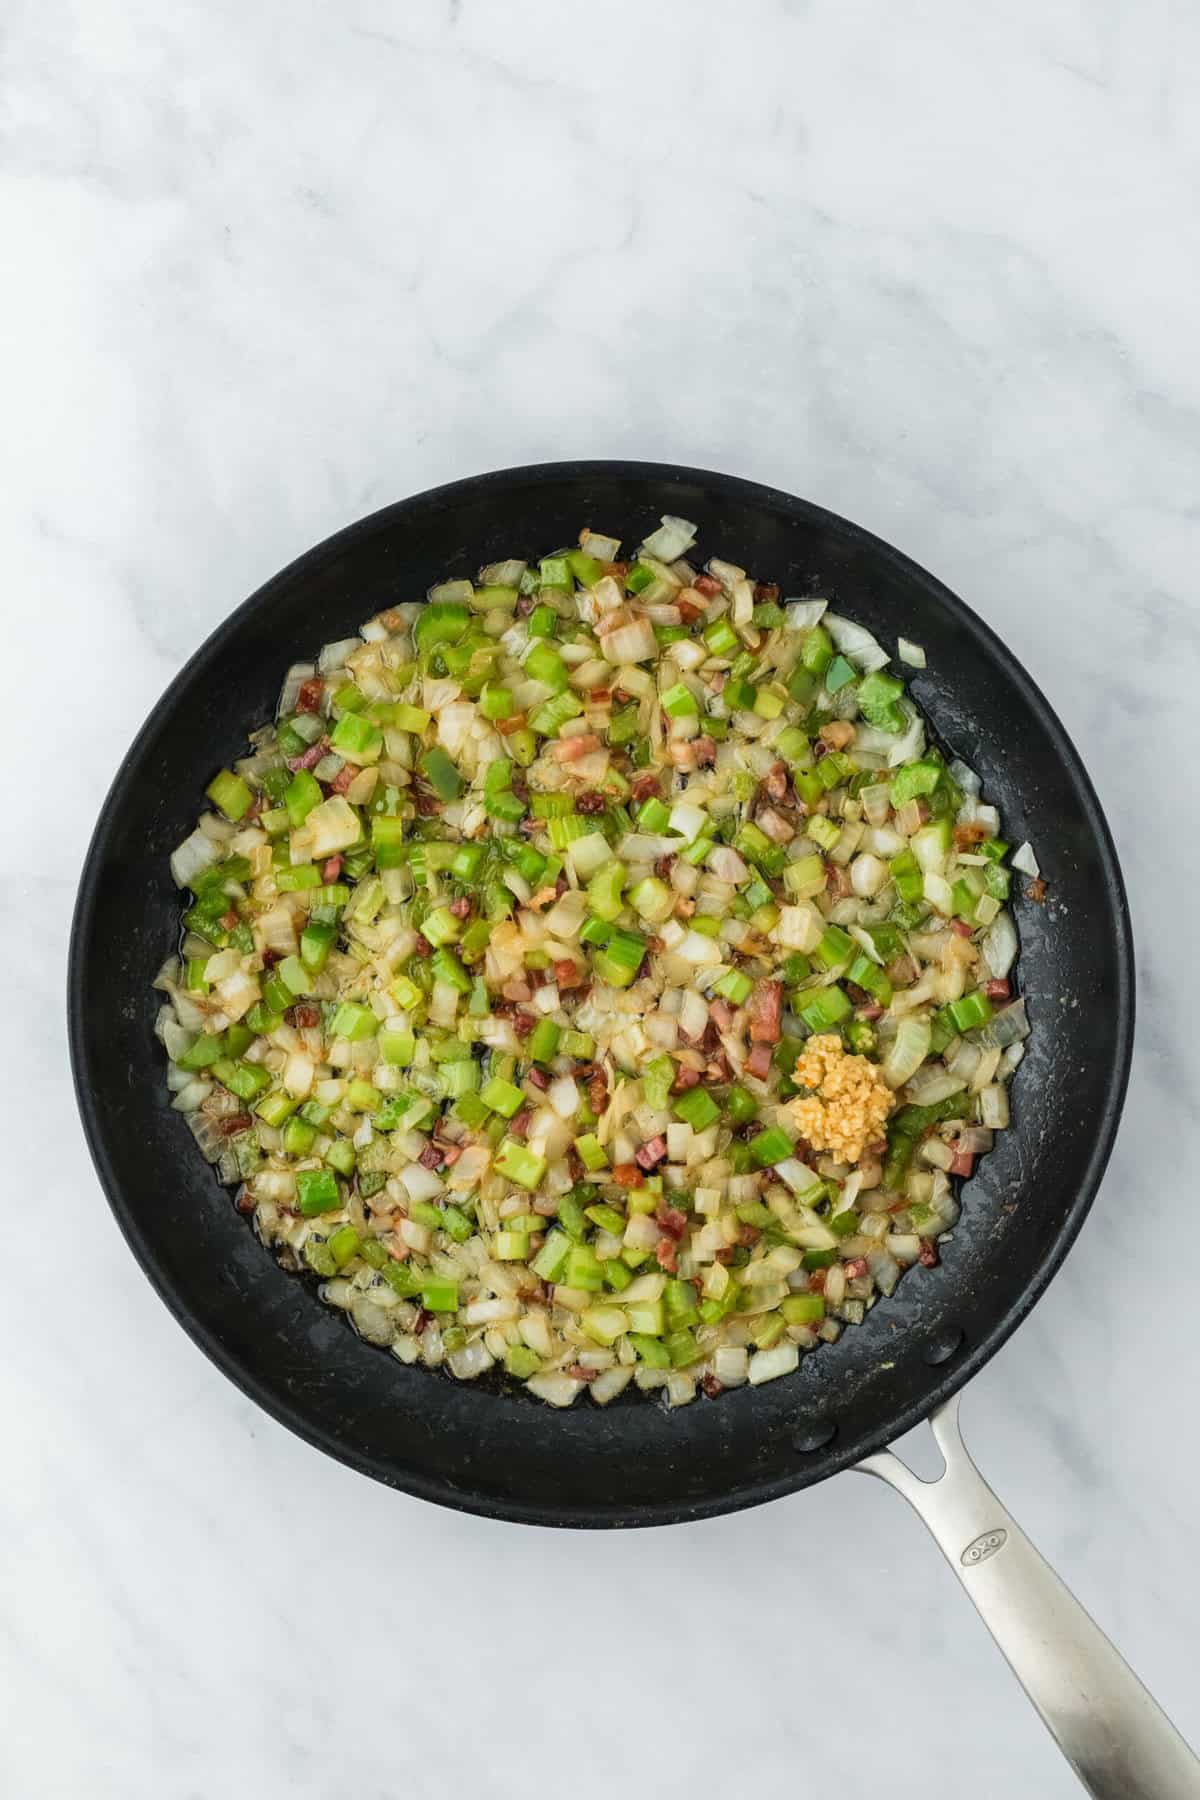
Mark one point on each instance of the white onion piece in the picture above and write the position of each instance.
(1024, 860)
(998, 946)
(868, 875)
(293, 681)
(558, 1390)
(333, 656)
(908, 1051)
(911, 742)
(632, 643)
(1008, 1026)
(196, 853)
(769, 1365)
(420, 1183)
(856, 643)
(673, 539)
(910, 653)
(802, 615)
(693, 1014)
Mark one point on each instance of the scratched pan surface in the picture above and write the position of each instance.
(502, 1453)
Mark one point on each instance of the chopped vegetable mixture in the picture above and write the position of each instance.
(594, 973)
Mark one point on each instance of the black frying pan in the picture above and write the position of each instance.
(503, 1454)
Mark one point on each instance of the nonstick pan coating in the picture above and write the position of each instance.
(633, 1463)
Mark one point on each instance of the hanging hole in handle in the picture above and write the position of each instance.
(947, 1344)
(814, 1436)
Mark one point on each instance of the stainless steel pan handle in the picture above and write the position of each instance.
(1115, 1736)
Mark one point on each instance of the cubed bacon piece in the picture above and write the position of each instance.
(430, 1157)
(962, 927)
(998, 988)
(708, 585)
(857, 1265)
(928, 1256)
(685, 1079)
(461, 908)
(523, 1023)
(651, 1153)
(665, 1254)
(310, 758)
(643, 789)
(538, 1078)
(627, 1175)
(758, 1062)
(963, 1164)
(518, 1127)
(721, 1014)
(965, 836)
(568, 974)
(775, 782)
(590, 801)
(766, 1012)
(343, 779)
(303, 1017)
(308, 700)
(570, 749)
(331, 868)
(671, 1220)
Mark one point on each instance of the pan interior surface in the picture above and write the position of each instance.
(633, 1463)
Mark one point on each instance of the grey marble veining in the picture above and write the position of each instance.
(270, 266)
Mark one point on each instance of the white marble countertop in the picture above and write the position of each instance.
(271, 266)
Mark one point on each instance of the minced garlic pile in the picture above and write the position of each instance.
(850, 1100)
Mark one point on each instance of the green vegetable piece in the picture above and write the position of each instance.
(583, 1269)
(697, 1108)
(440, 773)
(317, 1191)
(650, 1350)
(502, 1097)
(519, 1163)
(229, 794)
(740, 1104)
(441, 622)
(803, 1309)
(914, 780)
(354, 1022)
(438, 1295)
(543, 1041)
(771, 1146)
(824, 1008)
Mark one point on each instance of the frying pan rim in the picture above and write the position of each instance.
(833, 1457)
